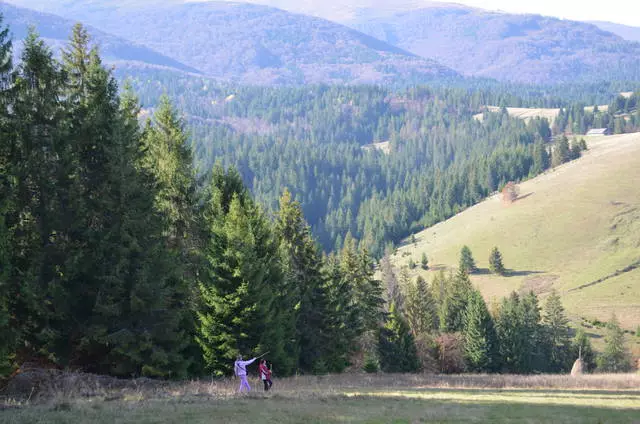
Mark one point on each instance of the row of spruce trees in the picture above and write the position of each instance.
(447, 326)
(115, 259)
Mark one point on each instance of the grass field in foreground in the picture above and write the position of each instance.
(356, 399)
(571, 229)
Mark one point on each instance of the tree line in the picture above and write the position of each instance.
(447, 326)
(115, 258)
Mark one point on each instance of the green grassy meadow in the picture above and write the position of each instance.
(570, 227)
(356, 399)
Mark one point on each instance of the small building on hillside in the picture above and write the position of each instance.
(598, 131)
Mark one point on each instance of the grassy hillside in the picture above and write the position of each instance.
(575, 229)
(524, 48)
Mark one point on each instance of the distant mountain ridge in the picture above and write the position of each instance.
(56, 31)
(627, 32)
(253, 44)
(521, 48)
(256, 44)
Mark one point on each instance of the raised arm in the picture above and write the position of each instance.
(245, 363)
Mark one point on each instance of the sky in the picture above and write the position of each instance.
(620, 11)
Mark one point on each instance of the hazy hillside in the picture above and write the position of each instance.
(56, 30)
(525, 48)
(257, 44)
(627, 32)
(575, 229)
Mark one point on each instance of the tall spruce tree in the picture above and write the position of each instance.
(495, 262)
(167, 156)
(557, 334)
(561, 152)
(480, 340)
(35, 147)
(454, 303)
(241, 280)
(615, 357)
(420, 308)
(520, 334)
(467, 263)
(305, 290)
(6, 200)
(343, 323)
(396, 345)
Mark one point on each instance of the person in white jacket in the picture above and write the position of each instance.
(240, 368)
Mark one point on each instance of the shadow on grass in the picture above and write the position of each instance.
(513, 273)
(507, 272)
(524, 196)
(619, 394)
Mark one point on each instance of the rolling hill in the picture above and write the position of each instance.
(521, 48)
(625, 31)
(255, 44)
(56, 31)
(575, 229)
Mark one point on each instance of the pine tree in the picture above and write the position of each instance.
(6, 58)
(420, 308)
(540, 158)
(495, 262)
(615, 357)
(35, 147)
(561, 152)
(168, 157)
(480, 340)
(396, 345)
(557, 334)
(424, 261)
(305, 286)
(454, 303)
(520, 334)
(575, 150)
(343, 326)
(240, 282)
(6, 201)
(581, 348)
(467, 263)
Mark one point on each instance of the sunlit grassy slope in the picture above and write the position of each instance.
(572, 226)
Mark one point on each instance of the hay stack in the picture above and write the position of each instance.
(578, 367)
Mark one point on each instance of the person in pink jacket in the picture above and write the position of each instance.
(240, 369)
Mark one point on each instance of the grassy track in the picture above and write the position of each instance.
(359, 399)
(571, 227)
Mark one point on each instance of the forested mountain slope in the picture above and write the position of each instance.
(526, 48)
(575, 229)
(260, 45)
(56, 30)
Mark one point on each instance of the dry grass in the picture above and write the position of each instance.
(528, 113)
(378, 398)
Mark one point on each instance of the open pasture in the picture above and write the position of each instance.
(347, 398)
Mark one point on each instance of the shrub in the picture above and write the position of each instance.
(371, 365)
